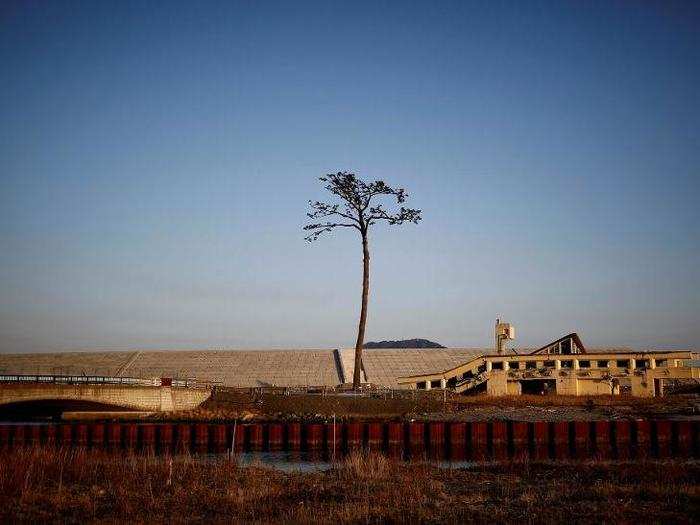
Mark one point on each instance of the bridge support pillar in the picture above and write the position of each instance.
(497, 384)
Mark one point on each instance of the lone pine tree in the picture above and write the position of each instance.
(360, 210)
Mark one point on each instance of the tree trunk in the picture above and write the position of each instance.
(363, 314)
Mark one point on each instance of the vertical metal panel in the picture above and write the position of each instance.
(457, 441)
(521, 440)
(561, 440)
(603, 444)
(499, 440)
(479, 441)
(541, 440)
(623, 439)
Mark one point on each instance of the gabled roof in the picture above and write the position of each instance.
(573, 335)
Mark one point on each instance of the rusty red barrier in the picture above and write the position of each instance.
(51, 434)
(457, 439)
(683, 438)
(5, 435)
(97, 435)
(334, 438)
(237, 441)
(314, 436)
(499, 439)
(114, 435)
(603, 444)
(375, 436)
(184, 436)
(165, 436)
(354, 436)
(662, 445)
(582, 439)
(148, 437)
(80, 436)
(416, 439)
(201, 436)
(623, 439)
(479, 441)
(218, 438)
(294, 436)
(395, 434)
(131, 435)
(561, 439)
(219, 442)
(541, 439)
(66, 435)
(275, 436)
(35, 435)
(521, 440)
(256, 439)
(642, 443)
(436, 438)
(19, 436)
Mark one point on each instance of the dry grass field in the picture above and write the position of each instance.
(77, 486)
(229, 404)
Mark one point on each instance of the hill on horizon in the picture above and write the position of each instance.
(404, 343)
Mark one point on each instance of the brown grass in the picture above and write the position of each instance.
(229, 404)
(88, 486)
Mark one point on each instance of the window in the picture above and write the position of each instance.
(641, 363)
(602, 364)
(514, 365)
(497, 365)
(548, 364)
(622, 363)
(435, 383)
(420, 385)
(584, 364)
(661, 362)
(567, 364)
(566, 346)
(530, 365)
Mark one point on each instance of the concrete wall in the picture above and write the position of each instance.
(145, 398)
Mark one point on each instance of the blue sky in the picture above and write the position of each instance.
(156, 161)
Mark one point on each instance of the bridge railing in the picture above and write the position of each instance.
(100, 380)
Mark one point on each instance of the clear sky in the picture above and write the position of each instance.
(156, 160)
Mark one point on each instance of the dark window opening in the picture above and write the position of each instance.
(530, 365)
(565, 346)
(420, 385)
(602, 364)
(641, 363)
(567, 364)
(622, 363)
(497, 365)
(549, 364)
(539, 386)
(584, 364)
(435, 383)
(514, 365)
(661, 362)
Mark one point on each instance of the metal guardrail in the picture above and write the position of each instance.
(99, 380)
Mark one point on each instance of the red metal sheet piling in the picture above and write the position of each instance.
(114, 435)
(275, 436)
(603, 445)
(642, 443)
(582, 439)
(521, 440)
(131, 435)
(436, 437)
(662, 445)
(561, 439)
(314, 436)
(201, 437)
(184, 437)
(354, 435)
(334, 438)
(66, 435)
(499, 440)
(5, 435)
(541, 440)
(457, 441)
(50, 435)
(416, 439)
(80, 437)
(479, 441)
(97, 435)
(294, 436)
(19, 436)
(165, 437)
(623, 439)
(35, 435)
(237, 440)
(375, 436)
(148, 437)
(683, 439)
(395, 434)
(219, 442)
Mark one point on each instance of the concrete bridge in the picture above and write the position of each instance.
(140, 398)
